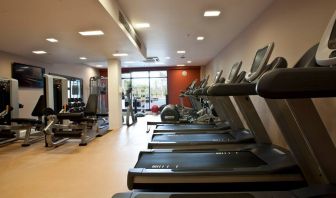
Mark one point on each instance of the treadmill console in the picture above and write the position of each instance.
(192, 85)
(204, 82)
(326, 52)
(234, 72)
(259, 62)
(218, 76)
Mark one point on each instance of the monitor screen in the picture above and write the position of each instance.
(27, 75)
(332, 39)
(218, 76)
(258, 58)
(234, 70)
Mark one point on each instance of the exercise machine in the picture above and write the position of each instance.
(129, 107)
(10, 123)
(236, 136)
(184, 127)
(99, 87)
(305, 127)
(248, 168)
(63, 125)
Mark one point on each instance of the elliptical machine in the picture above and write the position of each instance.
(129, 107)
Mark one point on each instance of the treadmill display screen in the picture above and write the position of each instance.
(234, 71)
(218, 75)
(180, 161)
(332, 39)
(258, 58)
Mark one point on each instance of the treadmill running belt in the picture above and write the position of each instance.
(216, 137)
(185, 126)
(198, 161)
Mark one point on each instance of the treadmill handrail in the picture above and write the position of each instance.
(233, 89)
(311, 82)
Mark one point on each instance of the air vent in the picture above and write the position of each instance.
(123, 20)
(152, 59)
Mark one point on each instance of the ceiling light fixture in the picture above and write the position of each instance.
(52, 40)
(141, 25)
(120, 54)
(180, 65)
(181, 52)
(129, 62)
(39, 52)
(200, 38)
(99, 66)
(212, 13)
(82, 58)
(188, 61)
(92, 33)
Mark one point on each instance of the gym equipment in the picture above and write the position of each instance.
(257, 68)
(129, 106)
(179, 113)
(207, 139)
(251, 167)
(99, 87)
(62, 125)
(184, 127)
(11, 125)
(299, 116)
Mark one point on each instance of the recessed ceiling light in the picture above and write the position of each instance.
(181, 52)
(212, 13)
(39, 52)
(92, 33)
(141, 25)
(188, 61)
(82, 58)
(180, 65)
(52, 40)
(99, 66)
(167, 57)
(120, 54)
(200, 38)
(129, 62)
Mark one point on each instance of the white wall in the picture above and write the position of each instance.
(294, 26)
(29, 96)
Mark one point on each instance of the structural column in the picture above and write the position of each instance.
(114, 94)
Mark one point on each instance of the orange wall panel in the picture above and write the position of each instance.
(177, 83)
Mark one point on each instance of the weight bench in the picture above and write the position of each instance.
(11, 132)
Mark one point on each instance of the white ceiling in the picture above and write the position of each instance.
(175, 24)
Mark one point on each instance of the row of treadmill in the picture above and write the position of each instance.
(57, 118)
(228, 160)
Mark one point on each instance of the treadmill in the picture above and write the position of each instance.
(305, 132)
(252, 167)
(316, 141)
(238, 136)
(208, 139)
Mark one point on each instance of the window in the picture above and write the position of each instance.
(148, 87)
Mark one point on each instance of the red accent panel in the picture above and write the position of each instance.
(177, 83)
(103, 72)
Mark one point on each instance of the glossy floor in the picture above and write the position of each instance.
(97, 170)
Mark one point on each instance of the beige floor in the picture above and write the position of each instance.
(97, 170)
